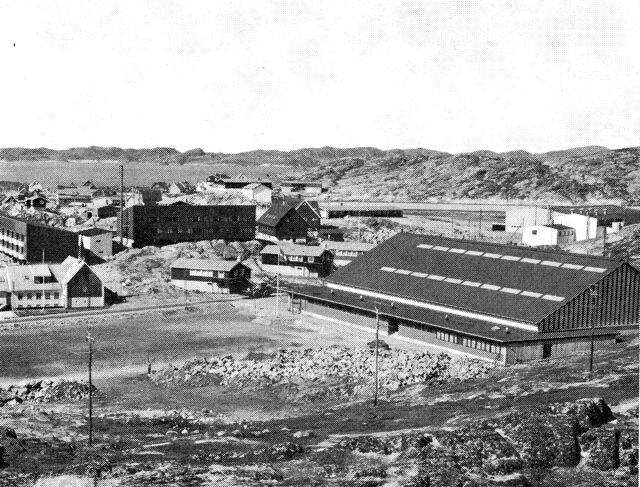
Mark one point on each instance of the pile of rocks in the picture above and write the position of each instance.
(397, 368)
(45, 391)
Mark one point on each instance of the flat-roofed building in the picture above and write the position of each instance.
(97, 241)
(495, 302)
(25, 240)
(210, 275)
(182, 222)
(551, 235)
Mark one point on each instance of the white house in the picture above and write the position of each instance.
(71, 284)
(257, 192)
(97, 241)
(551, 235)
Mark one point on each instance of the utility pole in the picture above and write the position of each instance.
(480, 224)
(90, 339)
(121, 202)
(43, 280)
(278, 285)
(604, 241)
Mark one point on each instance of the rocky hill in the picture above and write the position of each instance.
(582, 174)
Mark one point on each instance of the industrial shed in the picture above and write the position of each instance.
(496, 302)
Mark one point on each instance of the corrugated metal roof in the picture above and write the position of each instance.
(205, 264)
(90, 232)
(557, 226)
(453, 268)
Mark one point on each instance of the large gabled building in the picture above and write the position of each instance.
(492, 301)
(70, 284)
(289, 220)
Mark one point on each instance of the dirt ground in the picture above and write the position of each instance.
(176, 434)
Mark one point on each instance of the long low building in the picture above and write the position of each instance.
(345, 252)
(210, 275)
(70, 284)
(495, 302)
(363, 210)
(297, 260)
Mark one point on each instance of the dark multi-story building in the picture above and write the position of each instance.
(182, 222)
(25, 241)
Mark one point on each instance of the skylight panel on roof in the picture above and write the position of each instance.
(530, 261)
(388, 269)
(551, 297)
(474, 252)
(419, 274)
(492, 256)
(510, 257)
(491, 287)
(425, 246)
(438, 247)
(472, 283)
(457, 251)
(594, 269)
(572, 266)
(435, 277)
(530, 294)
(551, 263)
(453, 280)
(510, 290)
(403, 272)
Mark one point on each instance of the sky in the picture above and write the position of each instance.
(233, 76)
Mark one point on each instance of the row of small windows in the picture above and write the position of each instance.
(348, 253)
(8, 233)
(468, 342)
(197, 218)
(29, 296)
(197, 230)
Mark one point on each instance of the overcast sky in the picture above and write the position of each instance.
(240, 75)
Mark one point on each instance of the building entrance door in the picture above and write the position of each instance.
(393, 326)
(546, 350)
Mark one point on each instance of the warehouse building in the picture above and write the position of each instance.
(70, 284)
(363, 210)
(210, 275)
(182, 222)
(495, 302)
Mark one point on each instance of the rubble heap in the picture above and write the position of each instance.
(397, 368)
(45, 391)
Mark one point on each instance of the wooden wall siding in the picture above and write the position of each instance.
(84, 283)
(617, 304)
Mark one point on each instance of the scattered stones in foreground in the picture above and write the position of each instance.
(397, 369)
(45, 391)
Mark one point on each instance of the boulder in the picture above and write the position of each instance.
(603, 446)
